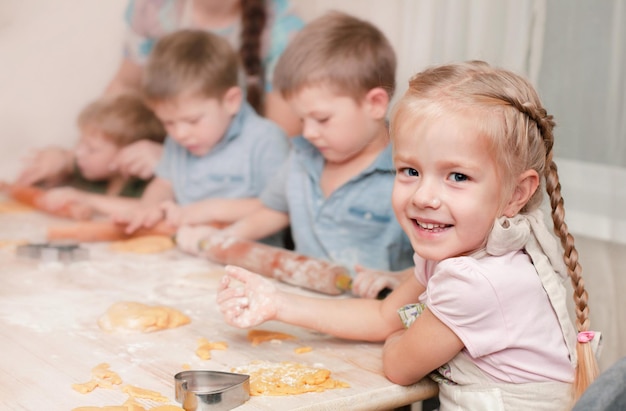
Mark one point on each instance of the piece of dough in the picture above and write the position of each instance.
(257, 337)
(205, 346)
(148, 244)
(101, 376)
(132, 316)
(138, 392)
(287, 378)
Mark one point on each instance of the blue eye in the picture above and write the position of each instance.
(458, 177)
(410, 172)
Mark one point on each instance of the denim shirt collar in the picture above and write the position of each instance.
(315, 163)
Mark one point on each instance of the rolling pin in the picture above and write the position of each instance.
(283, 265)
(31, 196)
(95, 231)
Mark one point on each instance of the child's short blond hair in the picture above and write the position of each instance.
(193, 62)
(350, 55)
(124, 119)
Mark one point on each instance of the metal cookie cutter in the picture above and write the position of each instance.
(52, 251)
(200, 390)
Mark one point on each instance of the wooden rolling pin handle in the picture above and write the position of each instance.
(96, 231)
(31, 196)
(283, 265)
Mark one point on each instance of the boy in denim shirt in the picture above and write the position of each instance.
(219, 154)
(338, 75)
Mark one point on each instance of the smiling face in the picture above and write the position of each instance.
(340, 127)
(195, 122)
(447, 192)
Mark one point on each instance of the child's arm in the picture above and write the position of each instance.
(58, 198)
(369, 283)
(252, 300)
(408, 356)
(148, 211)
(260, 224)
(212, 210)
(50, 166)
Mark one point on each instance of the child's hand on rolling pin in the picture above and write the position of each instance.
(173, 213)
(250, 303)
(145, 216)
(369, 283)
(57, 198)
(188, 238)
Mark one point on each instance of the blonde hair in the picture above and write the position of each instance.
(509, 114)
(190, 62)
(123, 119)
(350, 55)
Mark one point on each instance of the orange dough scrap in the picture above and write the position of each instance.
(257, 337)
(205, 347)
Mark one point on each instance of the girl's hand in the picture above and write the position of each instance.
(188, 238)
(248, 303)
(368, 283)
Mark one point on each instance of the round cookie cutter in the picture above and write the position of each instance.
(202, 390)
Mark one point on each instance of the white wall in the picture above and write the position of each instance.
(55, 56)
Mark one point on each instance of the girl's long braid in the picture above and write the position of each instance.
(254, 17)
(587, 369)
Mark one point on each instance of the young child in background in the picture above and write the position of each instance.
(259, 29)
(84, 175)
(338, 74)
(219, 153)
(486, 306)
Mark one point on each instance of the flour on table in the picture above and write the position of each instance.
(148, 244)
(137, 317)
(287, 378)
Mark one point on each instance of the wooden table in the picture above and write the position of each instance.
(49, 337)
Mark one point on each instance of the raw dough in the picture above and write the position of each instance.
(101, 376)
(136, 392)
(257, 337)
(287, 378)
(132, 316)
(148, 244)
(205, 346)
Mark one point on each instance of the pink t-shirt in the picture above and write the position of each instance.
(499, 309)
